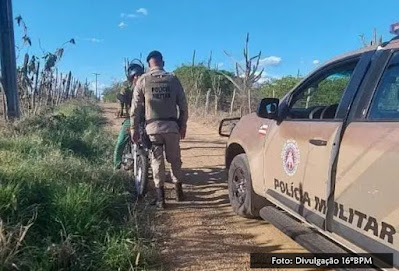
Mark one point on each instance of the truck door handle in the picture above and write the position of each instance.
(318, 142)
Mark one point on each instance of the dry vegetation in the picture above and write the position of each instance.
(213, 93)
(2, 110)
(40, 85)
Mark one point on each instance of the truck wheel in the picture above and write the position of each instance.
(242, 197)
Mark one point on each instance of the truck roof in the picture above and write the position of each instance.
(392, 44)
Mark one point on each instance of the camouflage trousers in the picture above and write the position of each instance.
(170, 143)
(124, 109)
(123, 139)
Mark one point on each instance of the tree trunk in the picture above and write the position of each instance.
(4, 102)
(208, 94)
(308, 100)
(196, 100)
(34, 92)
(49, 88)
(232, 102)
(249, 101)
(59, 97)
(39, 94)
(68, 84)
(58, 81)
(216, 103)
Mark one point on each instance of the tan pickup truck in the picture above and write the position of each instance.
(327, 153)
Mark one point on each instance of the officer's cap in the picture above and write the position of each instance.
(155, 54)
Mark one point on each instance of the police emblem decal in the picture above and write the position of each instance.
(291, 157)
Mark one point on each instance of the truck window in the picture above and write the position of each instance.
(385, 104)
(320, 98)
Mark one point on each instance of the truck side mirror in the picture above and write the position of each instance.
(268, 108)
(226, 126)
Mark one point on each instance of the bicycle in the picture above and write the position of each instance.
(136, 158)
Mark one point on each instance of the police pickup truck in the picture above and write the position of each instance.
(327, 154)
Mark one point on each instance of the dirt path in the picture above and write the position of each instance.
(203, 233)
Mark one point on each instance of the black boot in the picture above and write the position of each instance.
(160, 200)
(179, 192)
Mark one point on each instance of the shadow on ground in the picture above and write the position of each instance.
(213, 234)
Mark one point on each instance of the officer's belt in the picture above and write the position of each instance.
(161, 119)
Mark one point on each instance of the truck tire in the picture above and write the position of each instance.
(244, 201)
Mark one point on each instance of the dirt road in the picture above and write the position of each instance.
(203, 233)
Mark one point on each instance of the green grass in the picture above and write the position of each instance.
(62, 207)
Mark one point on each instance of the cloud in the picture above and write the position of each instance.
(221, 64)
(138, 13)
(122, 25)
(131, 15)
(266, 78)
(95, 40)
(316, 62)
(100, 86)
(143, 11)
(270, 61)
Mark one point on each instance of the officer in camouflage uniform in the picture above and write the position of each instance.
(125, 98)
(133, 73)
(166, 114)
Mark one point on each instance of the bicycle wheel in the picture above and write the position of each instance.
(141, 174)
(127, 157)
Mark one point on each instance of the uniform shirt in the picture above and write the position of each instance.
(158, 126)
(126, 92)
(125, 88)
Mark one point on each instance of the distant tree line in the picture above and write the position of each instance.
(211, 90)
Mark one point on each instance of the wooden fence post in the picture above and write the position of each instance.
(8, 59)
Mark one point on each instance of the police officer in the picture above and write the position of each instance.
(133, 72)
(125, 98)
(160, 97)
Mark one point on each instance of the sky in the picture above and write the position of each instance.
(292, 35)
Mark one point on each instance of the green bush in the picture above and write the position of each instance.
(62, 207)
(110, 93)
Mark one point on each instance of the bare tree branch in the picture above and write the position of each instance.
(246, 77)
(237, 63)
(210, 60)
(228, 77)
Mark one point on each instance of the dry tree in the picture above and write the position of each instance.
(373, 42)
(43, 87)
(215, 79)
(197, 76)
(247, 74)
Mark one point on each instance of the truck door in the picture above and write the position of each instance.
(367, 179)
(298, 150)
